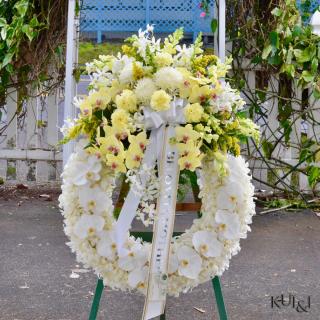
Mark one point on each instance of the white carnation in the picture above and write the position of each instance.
(168, 78)
(144, 90)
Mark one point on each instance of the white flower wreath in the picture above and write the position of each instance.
(198, 255)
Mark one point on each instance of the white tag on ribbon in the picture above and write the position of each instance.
(163, 229)
(162, 126)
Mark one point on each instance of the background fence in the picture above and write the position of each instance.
(29, 149)
(101, 16)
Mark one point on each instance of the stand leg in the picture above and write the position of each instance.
(96, 300)
(163, 316)
(219, 298)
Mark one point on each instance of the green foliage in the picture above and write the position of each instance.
(292, 46)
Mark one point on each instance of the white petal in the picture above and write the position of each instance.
(207, 244)
(189, 262)
(137, 276)
(87, 222)
(231, 223)
(106, 245)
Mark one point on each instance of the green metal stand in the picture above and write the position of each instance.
(216, 287)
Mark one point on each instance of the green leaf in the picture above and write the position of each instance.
(214, 25)
(22, 7)
(3, 22)
(4, 33)
(297, 30)
(314, 65)
(274, 39)
(7, 59)
(307, 76)
(28, 31)
(289, 69)
(305, 55)
(267, 148)
(313, 175)
(266, 51)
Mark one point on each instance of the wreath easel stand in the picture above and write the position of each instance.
(69, 112)
(147, 236)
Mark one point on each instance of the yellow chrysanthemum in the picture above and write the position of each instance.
(127, 101)
(116, 88)
(163, 59)
(184, 134)
(120, 118)
(134, 156)
(160, 101)
(193, 112)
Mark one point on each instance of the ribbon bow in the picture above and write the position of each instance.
(162, 125)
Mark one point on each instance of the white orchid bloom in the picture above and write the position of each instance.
(107, 246)
(88, 225)
(138, 277)
(207, 244)
(228, 225)
(94, 200)
(230, 196)
(150, 28)
(135, 258)
(86, 171)
(189, 262)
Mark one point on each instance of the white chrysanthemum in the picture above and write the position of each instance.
(138, 277)
(168, 78)
(135, 258)
(88, 225)
(189, 262)
(144, 90)
(228, 225)
(84, 172)
(207, 244)
(106, 246)
(94, 200)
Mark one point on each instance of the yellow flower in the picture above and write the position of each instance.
(160, 101)
(137, 71)
(99, 99)
(190, 162)
(199, 94)
(86, 108)
(193, 112)
(140, 140)
(116, 163)
(119, 133)
(127, 101)
(184, 134)
(188, 148)
(163, 59)
(116, 88)
(134, 156)
(110, 145)
(120, 118)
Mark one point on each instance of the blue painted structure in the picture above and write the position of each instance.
(308, 8)
(129, 15)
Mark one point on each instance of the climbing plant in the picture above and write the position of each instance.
(271, 39)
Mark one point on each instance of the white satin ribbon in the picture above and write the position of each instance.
(162, 125)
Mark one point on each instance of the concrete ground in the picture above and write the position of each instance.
(280, 256)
